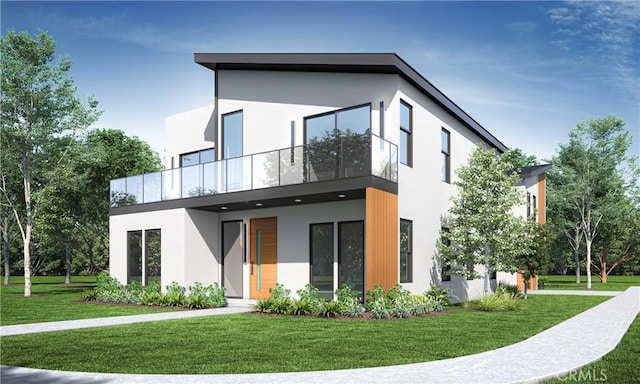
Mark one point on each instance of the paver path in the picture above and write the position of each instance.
(562, 348)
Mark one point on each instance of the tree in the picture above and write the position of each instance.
(39, 108)
(103, 155)
(518, 159)
(534, 256)
(595, 172)
(481, 226)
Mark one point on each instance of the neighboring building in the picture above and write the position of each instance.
(308, 168)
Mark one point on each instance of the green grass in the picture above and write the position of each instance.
(618, 366)
(614, 283)
(248, 343)
(52, 300)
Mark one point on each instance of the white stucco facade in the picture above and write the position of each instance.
(274, 107)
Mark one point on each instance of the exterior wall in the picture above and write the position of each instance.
(202, 248)
(422, 196)
(187, 248)
(271, 100)
(169, 222)
(293, 236)
(188, 132)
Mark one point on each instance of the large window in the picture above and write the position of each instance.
(406, 130)
(134, 256)
(337, 144)
(446, 156)
(406, 253)
(321, 258)
(351, 255)
(152, 239)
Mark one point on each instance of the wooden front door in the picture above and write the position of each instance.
(264, 256)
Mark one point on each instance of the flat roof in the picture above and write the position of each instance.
(386, 63)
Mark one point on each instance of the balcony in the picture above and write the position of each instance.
(342, 158)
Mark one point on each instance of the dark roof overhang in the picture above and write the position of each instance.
(534, 170)
(385, 63)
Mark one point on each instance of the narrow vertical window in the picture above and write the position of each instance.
(445, 271)
(382, 119)
(134, 256)
(152, 254)
(528, 205)
(406, 251)
(534, 203)
(406, 130)
(232, 150)
(445, 144)
(321, 258)
(232, 135)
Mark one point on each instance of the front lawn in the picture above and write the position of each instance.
(52, 300)
(247, 343)
(614, 283)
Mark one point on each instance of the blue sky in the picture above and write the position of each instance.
(526, 71)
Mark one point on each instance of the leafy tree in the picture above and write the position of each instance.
(39, 110)
(518, 159)
(481, 226)
(105, 154)
(533, 259)
(595, 173)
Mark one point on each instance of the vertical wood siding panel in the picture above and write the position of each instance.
(381, 239)
(542, 198)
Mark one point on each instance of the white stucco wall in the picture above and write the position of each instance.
(188, 132)
(293, 236)
(271, 100)
(188, 244)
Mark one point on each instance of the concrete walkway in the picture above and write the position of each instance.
(554, 352)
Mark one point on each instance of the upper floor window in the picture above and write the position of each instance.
(406, 130)
(345, 122)
(232, 135)
(445, 149)
(198, 157)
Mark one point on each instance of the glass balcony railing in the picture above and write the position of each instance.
(352, 156)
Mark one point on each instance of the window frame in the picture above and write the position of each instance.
(340, 256)
(335, 119)
(199, 153)
(222, 138)
(408, 277)
(409, 133)
(333, 252)
(446, 156)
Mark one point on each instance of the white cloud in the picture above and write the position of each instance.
(607, 35)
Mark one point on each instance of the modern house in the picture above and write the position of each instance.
(327, 169)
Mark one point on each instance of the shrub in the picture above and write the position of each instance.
(542, 282)
(499, 301)
(279, 291)
(309, 295)
(216, 295)
(155, 299)
(304, 307)
(89, 295)
(510, 289)
(439, 295)
(175, 296)
(349, 301)
(329, 309)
